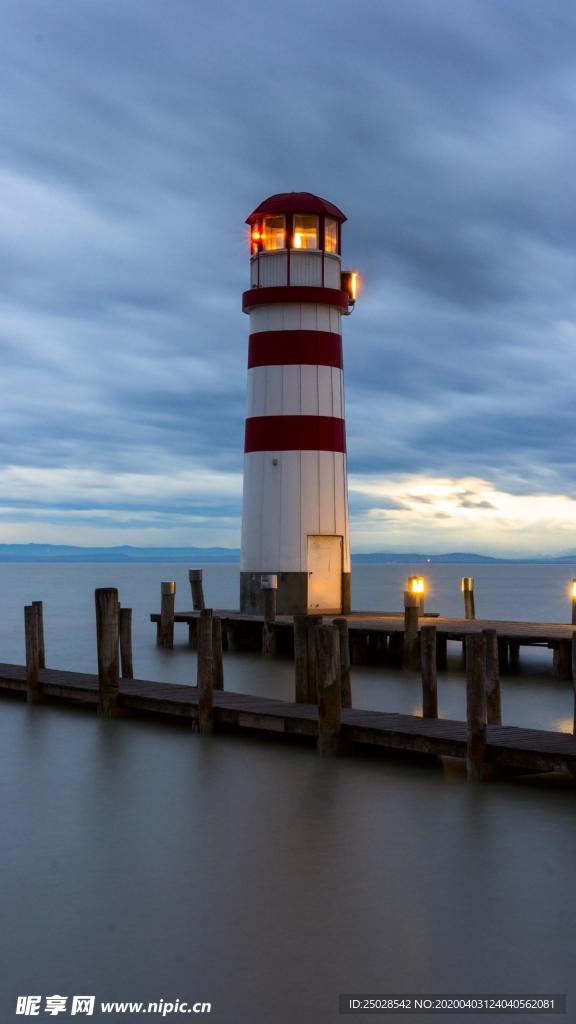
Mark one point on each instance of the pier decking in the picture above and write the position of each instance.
(374, 635)
(507, 747)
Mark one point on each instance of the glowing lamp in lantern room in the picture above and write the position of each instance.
(295, 503)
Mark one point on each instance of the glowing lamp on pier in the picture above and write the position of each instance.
(573, 594)
(295, 504)
(416, 585)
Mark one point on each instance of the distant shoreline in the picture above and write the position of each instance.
(54, 554)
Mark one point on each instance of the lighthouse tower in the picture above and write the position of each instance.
(295, 507)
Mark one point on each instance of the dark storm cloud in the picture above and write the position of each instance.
(135, 139)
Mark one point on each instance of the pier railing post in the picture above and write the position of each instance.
(125, 625)
(167, 614)
(493, 695)
(327, 650)
(341, 625)
(475, 705)
(217, 653)
(205, 673)
(468, 595)
(32, 638)
(107, 639)
(411, 652)
(429, 673)
(269, 587)
(40, 617)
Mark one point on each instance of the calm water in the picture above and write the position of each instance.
(140, 862)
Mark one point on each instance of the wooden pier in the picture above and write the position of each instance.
(376, 637)
(529, 750)
(322, 709)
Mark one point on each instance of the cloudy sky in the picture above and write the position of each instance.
(136, 136)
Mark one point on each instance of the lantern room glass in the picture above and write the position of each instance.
(330, 234)
(274, 233)
(305, 231)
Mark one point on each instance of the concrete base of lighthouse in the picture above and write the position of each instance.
(292, 594)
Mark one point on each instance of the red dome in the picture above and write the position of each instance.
(296, 202)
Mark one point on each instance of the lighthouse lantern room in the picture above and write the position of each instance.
(295, 505)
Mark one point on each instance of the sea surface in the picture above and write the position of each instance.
(141, 862)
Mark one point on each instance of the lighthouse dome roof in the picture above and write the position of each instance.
(296, 202)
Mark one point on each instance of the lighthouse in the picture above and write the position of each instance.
(295, 500)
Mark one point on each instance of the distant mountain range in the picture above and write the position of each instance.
(127, 553)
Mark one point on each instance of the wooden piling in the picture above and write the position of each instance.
(341, 625)
(429, 675)
(313, 622)
(197, 588)
(441, 650)
(205, 673)
(574, 679)
(475, 705)
(327, 658)
(514, 655)
(468, 595)
(493, 695)
(411, 646)
(269, 586)
(125, 626)
(217, 653)
(300, 659)
(40, 620)
(167, 615)
(107, 641)
(32, 639)
(563, 659)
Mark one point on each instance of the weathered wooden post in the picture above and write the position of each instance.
(40, 616)
(32, 639)
(429, 674)
(269, 586)
(563, 659)
(574, 679)
(327, 651)
(205, 673)
(125, 620)
(468, 595)
(411, 652)
(475, 705)
(107, 638)
(493, 696)
(217, 653)
(301, 659)
(341, 625)
(313, 622)
(167, 615)
(197, 588)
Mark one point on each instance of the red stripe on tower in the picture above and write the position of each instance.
(287, 348)
(294, 433)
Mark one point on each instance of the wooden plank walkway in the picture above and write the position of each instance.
(529, 749)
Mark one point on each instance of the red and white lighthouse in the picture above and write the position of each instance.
(295, 507)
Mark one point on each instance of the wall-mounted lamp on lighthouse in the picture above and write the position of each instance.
(295, 506)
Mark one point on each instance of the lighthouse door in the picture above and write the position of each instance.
(324, 574)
